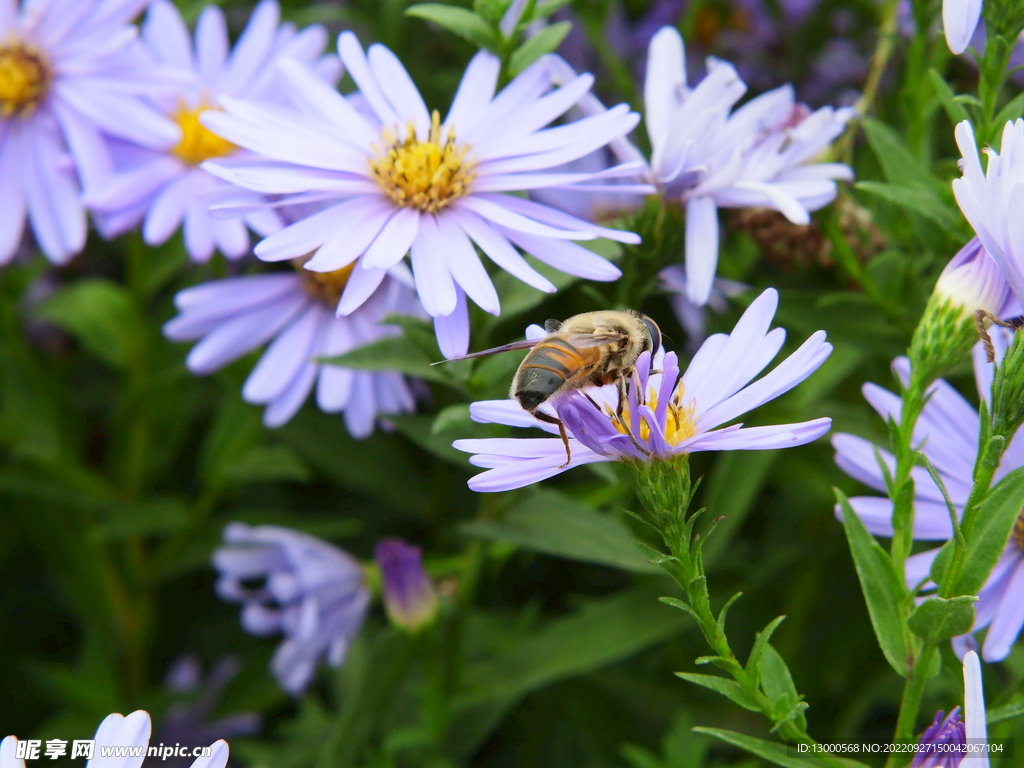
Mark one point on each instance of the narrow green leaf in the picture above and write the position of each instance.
(394, 353)
(1006, 712)
(990, 532)
(922, 201)
(99, 314)
(1013, 110)
(458, 21)
(146, 518)
(545, 41)
(490, 11)
(760, 643)
(556, 524)
(682, 606)
(773, 752)
(724, 686)
(777, 685)
(954, 109)
(899, 164)
(939, 618)
(265, 463)
(880, 584)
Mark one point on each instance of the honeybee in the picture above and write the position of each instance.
(588, 350)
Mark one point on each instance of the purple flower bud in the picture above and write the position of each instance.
(972, 280)
(409, 595)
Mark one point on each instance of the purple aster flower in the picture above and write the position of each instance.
(295, 312)
(311, 591)
(707, 156)
(692, 316)
(664, 415)
(162, 184)
(402, 181)
(409, 596)
(992, 200)
(943, 743)
(189, 722)
(118, 731)
(947, 433)
(972, 280)
(70, 72)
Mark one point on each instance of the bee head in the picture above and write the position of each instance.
(655, 333)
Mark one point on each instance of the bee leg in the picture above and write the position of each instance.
(541, 416)
(622, 397)
(980, 316)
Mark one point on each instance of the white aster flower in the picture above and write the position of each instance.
(707, 156)
(401, 181)
(294, 311)
(163, 184)
(71, 71)
(959, 20)
(992, 200)
(665, 415)
(130, 735)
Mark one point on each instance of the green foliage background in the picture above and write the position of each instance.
(119, 470)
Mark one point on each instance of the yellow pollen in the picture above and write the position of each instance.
(326, 287)
(426, 175)
(24, 78)
(197, 142)
(680, 423)
(1018, 531)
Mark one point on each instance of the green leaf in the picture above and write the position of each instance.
(922, 201)
(545, 8)
(556, 524)
(724, 686)
(780, 754)
(378, 467)
(267, 464)
(954, 109)
(545, 41)
(146, 518)
(518, 298)
(603, 631)
(99, 314)
(778, 687)
(939, 618)
(393, 353)
(1006, 712)
(989, 534)
(458, 21)
(880, 584)
(760, 643)
(420, 429)
(490, 11)
(1013, 110)
(899, 164)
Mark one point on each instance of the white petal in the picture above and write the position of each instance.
(959, 19)
(701, 248)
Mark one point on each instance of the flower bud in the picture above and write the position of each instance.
(972, 281)
(409, 596)
(947, 331)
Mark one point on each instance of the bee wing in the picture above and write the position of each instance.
(524, 344)
(595, 339)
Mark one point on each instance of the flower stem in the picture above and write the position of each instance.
(910, 704)
(902, 491)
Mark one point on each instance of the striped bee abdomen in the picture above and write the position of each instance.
(548, 366)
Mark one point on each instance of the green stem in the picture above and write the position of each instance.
(910, 705)
(903, 483)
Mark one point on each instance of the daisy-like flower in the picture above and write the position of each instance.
(162, 184)
(991, 200)
(295, 310)
(947, 433)
(126, 738)
(400, 180)
(707, 156)
(70, 72)
(972, 281)
(311, 591)
(950, 741)
(692, 316)
(664, 415)
(959, 20)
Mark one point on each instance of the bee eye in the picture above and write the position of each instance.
(655, 332)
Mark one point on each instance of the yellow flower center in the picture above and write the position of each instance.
(426, 175)
(680, 421)
(326, 287)
(1018, 531)
(198, 144)
(24, 78)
